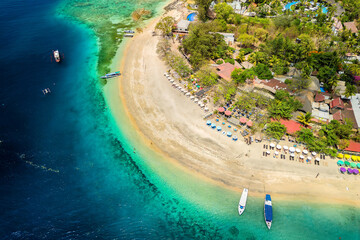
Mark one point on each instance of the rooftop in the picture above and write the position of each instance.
(353, 146)
(355, 103)
(291, 125)
(337, 103)
(338, 116)
(225, 71)
(183, 24)
(337, 24)
(351, 26)
(275, 84)
(319, 97)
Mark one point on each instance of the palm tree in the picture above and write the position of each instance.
(304, 118)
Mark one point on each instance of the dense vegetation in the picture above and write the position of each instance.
(298, 44)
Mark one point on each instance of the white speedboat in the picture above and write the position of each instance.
(242, 202)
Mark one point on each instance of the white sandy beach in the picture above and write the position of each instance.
(175, 126)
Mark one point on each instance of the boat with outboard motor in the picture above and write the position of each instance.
(56, 55)
(242, 202)
(268, 214)
(111, 75)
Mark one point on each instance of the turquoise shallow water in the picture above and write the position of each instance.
(79, 178)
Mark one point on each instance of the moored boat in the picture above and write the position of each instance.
(128, 35)
(242, 202)
(56, 55)
(111, 75)
(129, 31)
(268, 214)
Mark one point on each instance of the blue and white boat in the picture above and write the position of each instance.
(111, 75)
(243, 199)
(268, 213)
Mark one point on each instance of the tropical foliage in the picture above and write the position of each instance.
(165, 25)
(304, 118)
(202, 45)
(283, 105)
(275, 130)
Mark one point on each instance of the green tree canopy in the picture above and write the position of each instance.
(263, 71)
(207, 76)
(275, 130)
(202, 46)
(203, 8)
(223, 11)
(304, 118)
(350, 90)
(283, 105)
(246, 40)
(165, 25)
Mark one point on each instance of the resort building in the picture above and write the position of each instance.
(291, 126)
(351, 57)
(246, 65)
(341, 88)
(337, 26)
(320, 111)
(319, 98)
(351, 26)
(353, 148)
(224, 71)
(272, 85)
(355, 103)
(335, 104)
(182, 26)
(339, 116)
(228, 37)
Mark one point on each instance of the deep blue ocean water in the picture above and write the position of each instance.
(62, 173)
(65, 175)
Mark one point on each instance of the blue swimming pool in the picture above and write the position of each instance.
(288, 6)
(191, 17)
(322, 89)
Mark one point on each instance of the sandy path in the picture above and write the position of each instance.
(175, 125)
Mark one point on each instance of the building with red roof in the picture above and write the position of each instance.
(319, 97)
(353, 147)
(291, 125)
(338, 116)
(337, 103)
(225, 70)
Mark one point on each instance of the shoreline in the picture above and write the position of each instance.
(219, 170)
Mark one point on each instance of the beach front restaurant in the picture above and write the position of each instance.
(353, 148)
(183, 26)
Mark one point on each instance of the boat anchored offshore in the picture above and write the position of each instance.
(242, 202)
(129, 31)
(111, 75)
(268, 214)
(46, 91)
(56, 55)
